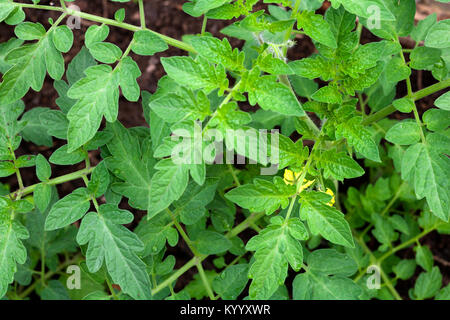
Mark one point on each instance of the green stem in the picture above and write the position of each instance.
(407, 243)
(183, 234)
(142, 13)
(300, 179)
(55, 181)
(48, 275)
(384, 276)
(191, 263)
(198, 259)
(63, 4)
(202, 273)
(410, 94)
(170, 41)
(111, 289)
(233, 173)
(383, 113)
(205, 22)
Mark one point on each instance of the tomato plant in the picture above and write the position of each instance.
(262, 196)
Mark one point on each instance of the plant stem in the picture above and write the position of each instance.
(236, 180)
(374, 260)
(170, 41)
(383, 113)
(407, 243)
(191, 263)
(48, 275)
(202, 273)
(205, 22)
(62, 179)
(142, 13)
(194, 261)
(183, 233)
(111, 289)
(410, 94)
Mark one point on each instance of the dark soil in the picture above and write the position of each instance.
(167, 17)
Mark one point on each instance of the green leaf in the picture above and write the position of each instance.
(405, 269)
(12, 250)
(289, 154)
(147, 43)
(174, 107)
(5, 48)
(439, 35)
(231, 282)
(112, 243)
(404, 105)
(443, 102)
(98, 96)
(35, 130)
(424, 257)
(30, 31)
(5, 10)
(424, 58)
(423, 27)
(99, 180)
(326, 221)
(128, 73)
(105, 52)
(398, 71)
(436, 119)
(132, 164)
(69, 209)
(358, 137)
(312, 68)
(62, 38)
(312, 286)
(404, 133)
(339, 165)
(444, 294)
(195, 74)
(42, 196)
(54, 290)
(95, 34)
(331, 262)
(275, 96)
(362, 8)
(119, 15)
(263, 195)
(155, 233)
(427, 170)
(328, 94)
(43, 169)
(167, 185)
(202, 6)
(219, 52)
(428, 284)
(209, 242)
(383, 231)
(275, 249)
(191, 205)
(316, 28)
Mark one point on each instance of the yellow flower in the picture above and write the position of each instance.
(290, 178)
(333, 199)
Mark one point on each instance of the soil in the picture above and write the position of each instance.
(167, 17)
